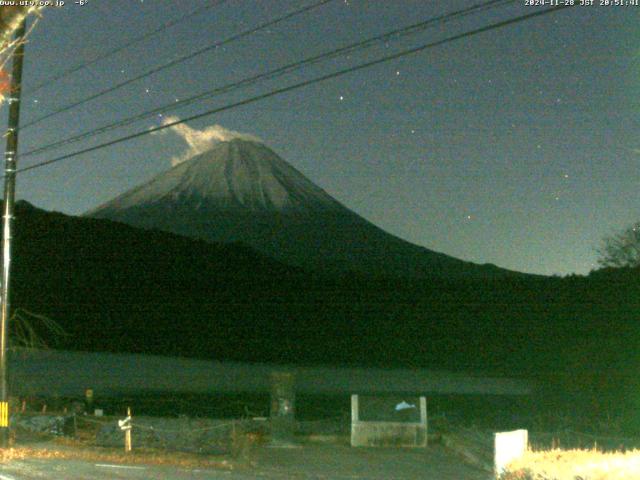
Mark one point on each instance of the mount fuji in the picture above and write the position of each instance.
(242, 191)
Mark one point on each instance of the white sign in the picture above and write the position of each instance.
(125, 424)
(509, 446)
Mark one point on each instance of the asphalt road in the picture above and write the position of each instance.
(312, 462)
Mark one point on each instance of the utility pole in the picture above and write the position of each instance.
(10, 165)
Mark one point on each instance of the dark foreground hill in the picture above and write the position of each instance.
(118, 288)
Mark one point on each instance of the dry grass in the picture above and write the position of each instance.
(82, 448)
(140, 456)
(34, 445)
(575, 465)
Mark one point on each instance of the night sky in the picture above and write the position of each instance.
(518, 146)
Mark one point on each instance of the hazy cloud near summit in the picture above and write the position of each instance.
(199, 141)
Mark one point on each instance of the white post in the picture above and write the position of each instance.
(127, 433)
(423, 419)
(509, 446)
(354, 408)
(354, 419)
(423, 410)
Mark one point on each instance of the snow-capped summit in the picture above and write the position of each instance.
(242, 191)
(236, 175)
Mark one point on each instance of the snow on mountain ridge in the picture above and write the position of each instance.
(235, 174)
(241, 191)
(201, 141)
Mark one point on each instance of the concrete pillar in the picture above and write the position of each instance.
(283, 404)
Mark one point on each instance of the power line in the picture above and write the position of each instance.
(117, 50)
(270, 75)
(305, 83)
(179, 60)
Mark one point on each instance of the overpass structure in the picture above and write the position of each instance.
(66, 373)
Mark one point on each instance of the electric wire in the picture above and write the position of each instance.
(296, 86)
(278, 72)
(179, 60)
(110, 53)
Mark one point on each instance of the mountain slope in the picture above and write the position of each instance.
(242, 191)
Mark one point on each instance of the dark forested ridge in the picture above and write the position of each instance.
(117, 288)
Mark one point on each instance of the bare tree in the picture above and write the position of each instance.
(622, 249)
(10, 19)
(25, 326)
